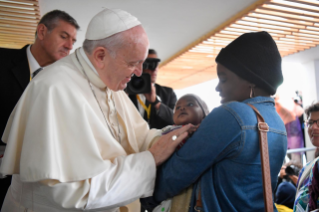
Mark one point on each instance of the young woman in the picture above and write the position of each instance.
(222, 158)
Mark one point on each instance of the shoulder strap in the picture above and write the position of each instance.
(263, 145)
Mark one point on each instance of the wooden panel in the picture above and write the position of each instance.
(279, 19)
(294, 25)
(15, 5)
(18, 22)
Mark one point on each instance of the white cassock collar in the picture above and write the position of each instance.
(87, 60)
(89, 69)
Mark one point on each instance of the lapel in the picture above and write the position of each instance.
(20, 68)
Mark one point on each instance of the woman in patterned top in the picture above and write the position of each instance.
(307, 186)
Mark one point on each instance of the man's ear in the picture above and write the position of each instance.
(41, 31)
(99, 56)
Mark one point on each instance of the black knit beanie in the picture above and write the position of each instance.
(255, 58)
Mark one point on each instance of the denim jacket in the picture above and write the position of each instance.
(223, 157)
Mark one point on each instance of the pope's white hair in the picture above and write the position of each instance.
(112, 43)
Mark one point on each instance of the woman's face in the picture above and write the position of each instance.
(231, 87)
(313, 130)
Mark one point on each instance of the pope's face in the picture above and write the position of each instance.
(128, 61)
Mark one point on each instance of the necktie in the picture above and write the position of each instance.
(36, 72)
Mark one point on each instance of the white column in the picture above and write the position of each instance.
(310, 91)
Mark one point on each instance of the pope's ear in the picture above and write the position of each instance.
(99, 55)
(41, 31)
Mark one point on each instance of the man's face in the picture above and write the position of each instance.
(128, 61)
(58, 43)
(150, 72)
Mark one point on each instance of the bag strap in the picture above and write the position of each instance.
(263, 128)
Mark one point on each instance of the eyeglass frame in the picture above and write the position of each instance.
(314, 121)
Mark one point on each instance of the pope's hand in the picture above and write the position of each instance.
(166, 144)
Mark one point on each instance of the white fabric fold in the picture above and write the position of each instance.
(113, 188)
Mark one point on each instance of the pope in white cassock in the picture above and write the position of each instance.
(75, 141)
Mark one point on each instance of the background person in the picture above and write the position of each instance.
(55, 36)
(286, 186)
(308, 181)
(75, 141)
(285, 196)
(289, 111)
(222, 158)
(161, 100)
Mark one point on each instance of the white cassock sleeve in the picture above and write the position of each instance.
(131, 177)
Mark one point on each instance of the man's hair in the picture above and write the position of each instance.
(51, 19)
(312, 108)
(112, 43)
(152, 51)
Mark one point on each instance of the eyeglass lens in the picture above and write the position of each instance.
(311, 122)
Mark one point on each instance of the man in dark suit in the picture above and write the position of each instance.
(157, 106)
(55, 36)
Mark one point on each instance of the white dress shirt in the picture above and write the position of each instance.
(33, 63)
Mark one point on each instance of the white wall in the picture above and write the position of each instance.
(205, 91)
(305, 65)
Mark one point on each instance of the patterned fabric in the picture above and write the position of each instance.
(314, 189)
(302, 197)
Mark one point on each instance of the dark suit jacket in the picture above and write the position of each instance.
(164, 116)
(14, 78)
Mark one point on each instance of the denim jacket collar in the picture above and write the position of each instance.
(259, 99)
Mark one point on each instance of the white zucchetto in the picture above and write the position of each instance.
(109, 22)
